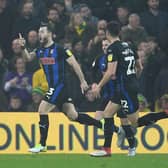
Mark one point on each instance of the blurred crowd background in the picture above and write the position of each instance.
(79, 25)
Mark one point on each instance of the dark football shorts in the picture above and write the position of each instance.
(126, 96)
(58, 95)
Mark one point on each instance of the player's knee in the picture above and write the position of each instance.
(134, 123)
(72, 116)
(133, 118)
(45, 107)
(107, 114)
(99, 115)
(41, 111)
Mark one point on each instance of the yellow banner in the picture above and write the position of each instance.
(19, 131)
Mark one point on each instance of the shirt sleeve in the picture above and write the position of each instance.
(66, 53)
(112, 54)
(135, 52)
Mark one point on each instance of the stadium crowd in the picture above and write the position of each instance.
(79, 25)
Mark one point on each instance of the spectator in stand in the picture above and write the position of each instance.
(162, 103)
(60, 7)
(3, 71)
(101, 24)
(154, 20)
(16, 52)
(79, 29)
(57, 24)
(122, 15)
(31, 66)
(32, 40)
(25, 22)
(67, 43)
(32, 45)
(3, 67)
(161, 83)
(102, 9)
(83, 60)
(16, 104)
(144, 46)
(155, 59)
(7, 16)
(81, 56)
(39, 80)
(143, 104)
(163, 41)
(37, 96)
(86, 13)
(133, 32)
(19, 82)
(40, 10)
(4, 101)
(68, 5)
(94, 45)
(142, 60)
(97, 39)
(16, 48)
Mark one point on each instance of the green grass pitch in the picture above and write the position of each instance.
(83, 161)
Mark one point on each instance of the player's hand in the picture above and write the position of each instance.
(89, 95)
(84, 86)
(96, 90)
(22, 41)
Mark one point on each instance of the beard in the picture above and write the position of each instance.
(43, 41)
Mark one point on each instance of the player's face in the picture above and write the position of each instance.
(108, 36)
(43, 35)
(105, 44)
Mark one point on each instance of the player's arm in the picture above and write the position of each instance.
(27, 55)
(109, 74)
(76, 67)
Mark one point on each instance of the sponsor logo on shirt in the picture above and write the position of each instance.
(47, 61)
(110, 57)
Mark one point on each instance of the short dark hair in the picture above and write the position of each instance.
(114, 28)
(48, 25)
(124, 6)
(15, 96)
(50, 9)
